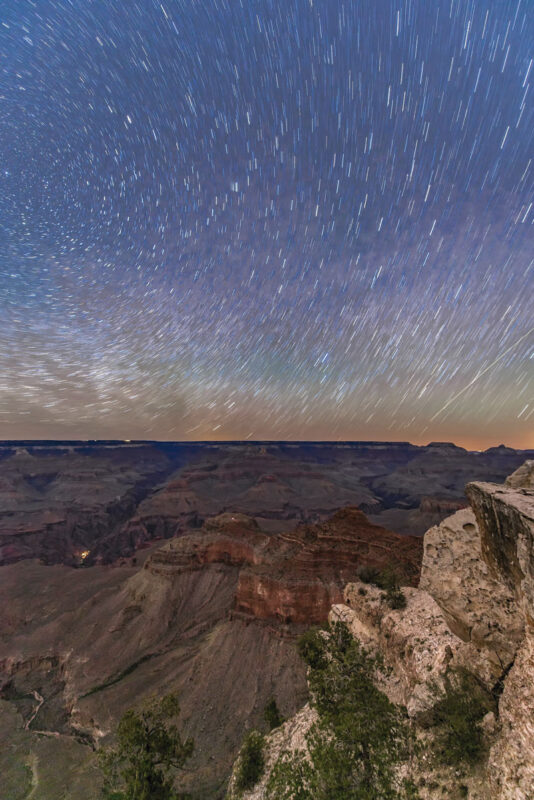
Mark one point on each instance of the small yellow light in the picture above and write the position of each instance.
(84, 554)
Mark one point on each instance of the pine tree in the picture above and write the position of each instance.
(148, 753)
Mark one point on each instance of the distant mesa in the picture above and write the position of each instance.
(501, 449)
(449, 445)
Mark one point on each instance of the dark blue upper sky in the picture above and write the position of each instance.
(267, 219)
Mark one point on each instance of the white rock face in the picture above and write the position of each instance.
(415, 642)
(291, 736)
(478, 607)
(523, 477)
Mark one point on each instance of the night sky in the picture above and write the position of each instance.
(285, 219)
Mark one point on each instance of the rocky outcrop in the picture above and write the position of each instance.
(511, 759)
(523, 477)
(437, 505)
(505, 515)
(291, 578)
(506, 520)
(289, 737)
(301, 574)
(415, 643)
(477, 606)
(472, 613)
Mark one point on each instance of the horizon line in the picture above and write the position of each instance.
(118, 442)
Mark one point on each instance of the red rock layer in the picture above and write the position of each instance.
(437, 505)
(293, 577)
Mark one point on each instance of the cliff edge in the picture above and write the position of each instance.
(470, 623)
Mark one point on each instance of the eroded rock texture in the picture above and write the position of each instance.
(478, 607)
(415, 642)
(505, 515)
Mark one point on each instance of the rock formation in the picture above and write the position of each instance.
(58, 503)
(523, 477)
(505, 515)
(452, 566)
(473, 613)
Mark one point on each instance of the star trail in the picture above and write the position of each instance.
(297, 219)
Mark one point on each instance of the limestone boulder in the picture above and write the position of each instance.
(523, 477)
(415, 642)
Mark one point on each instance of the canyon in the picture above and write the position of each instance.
(95, 502)
(130, 569)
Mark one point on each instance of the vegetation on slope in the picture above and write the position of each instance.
(458, 713)
(360, 736)
(272, 715)
(149, 751)
(388, 580)
(361, 740)
(251, 762)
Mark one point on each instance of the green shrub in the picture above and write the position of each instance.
(272, 715)
(458, 715)
(312, 647)
(360, 736)
(251, 761)
(395, 598)
(386, 579)
(148, 753)
(369, 574)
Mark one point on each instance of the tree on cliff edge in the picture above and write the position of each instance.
(148, 753)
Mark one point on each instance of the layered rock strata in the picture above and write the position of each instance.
(291, 578)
